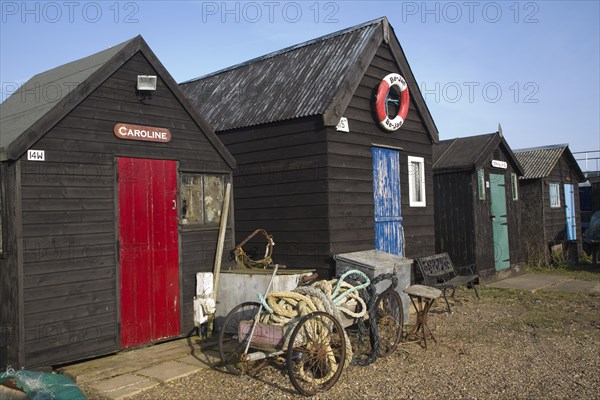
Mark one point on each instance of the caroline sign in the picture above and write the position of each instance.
(144, 133)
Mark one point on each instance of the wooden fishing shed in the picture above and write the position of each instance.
(315, 167)
(112, 188)
(477, 209)
(550, 202)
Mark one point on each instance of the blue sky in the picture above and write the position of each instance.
(533, 66)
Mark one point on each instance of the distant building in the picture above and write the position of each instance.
(477, 208)
(550, 202)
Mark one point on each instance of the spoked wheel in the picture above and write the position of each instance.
(390, 320)
(231, 346)
(316, 353)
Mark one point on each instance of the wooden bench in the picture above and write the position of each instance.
(439, 272)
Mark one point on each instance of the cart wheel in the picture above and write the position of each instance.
(316, 353)
(231, 347)
(390, 320)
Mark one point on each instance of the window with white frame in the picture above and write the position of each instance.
(202, 198)
(554, 195)
(416, 181)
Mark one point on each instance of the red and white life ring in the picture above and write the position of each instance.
(380, 105)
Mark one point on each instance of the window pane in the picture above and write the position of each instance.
(417, 184)
(213, 197)
(554, 195)
(191, 197)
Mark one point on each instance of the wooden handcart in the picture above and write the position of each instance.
(314, 345)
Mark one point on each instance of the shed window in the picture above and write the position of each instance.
(554, 195)
(202, 199)
(416, 181)
(481, 184)
(515, 186)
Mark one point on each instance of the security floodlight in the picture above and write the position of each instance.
(146, 82)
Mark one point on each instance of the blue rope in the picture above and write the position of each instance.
(263, 301)
(338, 299)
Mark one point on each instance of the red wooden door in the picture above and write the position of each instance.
(149, 254)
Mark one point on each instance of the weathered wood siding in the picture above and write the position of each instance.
(350, 170)
(10, 272)
(70, 217)
(532, 221)
(281, 186)
(454, 224)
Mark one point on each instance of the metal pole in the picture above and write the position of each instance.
(257, 316)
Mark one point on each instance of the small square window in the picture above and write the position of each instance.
(554, 195)
(202, 199)
(515, 186)
(416, 181)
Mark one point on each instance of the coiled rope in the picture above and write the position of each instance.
(353, 294)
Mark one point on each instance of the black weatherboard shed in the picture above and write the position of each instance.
(477, 209)
(550, 201)
(301, 175)
(110, 202)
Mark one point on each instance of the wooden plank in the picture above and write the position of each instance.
(71, 300)
(68, 216)
(68, 204)
(73, 276)
(310, 125)
(289, 225)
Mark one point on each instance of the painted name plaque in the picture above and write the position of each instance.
(143, 133)
(499, 164)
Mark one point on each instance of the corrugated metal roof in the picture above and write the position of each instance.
(280, 85)
(460, 152)
(42, 92)
(538, 162)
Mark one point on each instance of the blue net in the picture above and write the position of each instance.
(44, 386)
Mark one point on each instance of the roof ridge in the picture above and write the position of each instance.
(445, 152)
(124, 43)
(288, 49)
(469, 137)
(546, 147)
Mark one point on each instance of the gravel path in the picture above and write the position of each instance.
(508, 345)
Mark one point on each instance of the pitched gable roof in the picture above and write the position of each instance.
(470, 152)
(33, 100)
(538, 162)
(317, 77)
(34, 109)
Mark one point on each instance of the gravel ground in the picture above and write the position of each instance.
(508, 345)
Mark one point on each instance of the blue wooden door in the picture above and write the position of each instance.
(570, 211)
(386, 194)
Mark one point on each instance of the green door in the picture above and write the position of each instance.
(499, 221)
